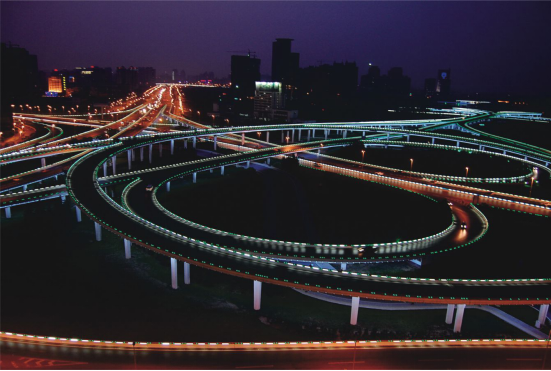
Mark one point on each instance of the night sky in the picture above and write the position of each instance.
(490, 46)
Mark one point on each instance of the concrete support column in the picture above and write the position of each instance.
(387, 136)
(242, 139)
(194, 177)
(363, 134)
(185, 143)
(98, 231)
(187, 280)
(313, 133)
(248, 164)
(457, 144)
(268, 136)
(293, 136)
(24, 187)
(114, 164)
(150, 153)
(542, 316)
(210, 171)
(354, 310)
(299, 134)
(133, 155)
(308, 136)
(282, 137)
(105, 168)
(8, 212)
(344, 133)
(129, 156)
(504, 152)
(459, 317)
(432, 141)
(194, 142)
(221, 170)
(325, 134)
(174, 272)
(407, 138)
(268, 161)
(172, 147)
(160, 149)
(343, 266)
(318, 153)
(141, 153)
(79, 216)
(449, 313)
(257, 294)
(63, 198)
(168, 186)
(43, 162)
(127, 245)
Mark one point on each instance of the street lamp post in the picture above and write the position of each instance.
(531, 185)
(466, 171)
(287, 139)
(363, 153)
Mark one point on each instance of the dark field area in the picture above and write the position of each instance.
(304, 205)
(535, 133)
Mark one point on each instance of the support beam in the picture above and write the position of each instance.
(215, 142)
(343, 266)
(325, 134)
(150, 153)
(105, 168)
(127, 245)
(268, 136)
(168, 186)
(459, 317)
(62, 198)
(194, 142)
(344, 133)
(185, 143)
(293, 136)
(432, 141)
(299, 134)
(354, 310)
(172, 147)
(8, 212)
(542, 316)
(133, 155)
(194, 177)
(114, 164)
(257, 294)
(174, 273)
(457, 144)
(221, 170)
(24, 187)
(449, 313)
(318, 153)
(248, 164)
(43, 162)
(98, 231)
(187, 280)
(129, 157)
(160, 149)
(308, 136)
(313, 133)
(268, 161)
(79, 214)
(141, 153)
(282, 137)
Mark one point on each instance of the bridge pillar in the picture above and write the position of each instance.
(63, 198)
(194, 142)
(343, 266)
(344, 133)
(210, 170)
(313, 133)
(105, 168)
(168, 186)
(242, 139)
(354, 310)
(459, 317)
(268, 136)
(432, 141)
(129, 156)
(172, 147)
(98, 231)
(407, 137)
(215, 142)
(268, 161)
(457, 144)
(24, 187)
(293, 136)
(282, 136)
(174, 272)
(79, 216)
(318, 153)
(185, 143)
(308, 135)
(221, 170)
(363, 134)
(325, 132)
(542, 316)
(150, 153)
(504, 152)
(299, 134)
(194, 177)
(133, 155)
(187, 280)
(248, 164)
(43, 162)
(449, 313)
(141, 154)
(257, 294)
(127, 245)
(8, 212)
(160, 149)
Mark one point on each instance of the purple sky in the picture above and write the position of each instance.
(490, 46)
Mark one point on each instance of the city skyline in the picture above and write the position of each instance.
(356, 32)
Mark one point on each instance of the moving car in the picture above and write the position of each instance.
(149, 187)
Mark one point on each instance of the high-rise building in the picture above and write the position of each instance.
(175, 77)
(146, 76)
(57, 84)
(126, 79)
(285, 66)
(430, 87)
(268, 96)
(245, 71)
(443, 83)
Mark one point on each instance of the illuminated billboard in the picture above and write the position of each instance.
(268, 86)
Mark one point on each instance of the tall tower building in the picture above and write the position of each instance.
(285, 66)
(443, 83)
(244, 72)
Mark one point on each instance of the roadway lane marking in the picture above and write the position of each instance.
(265, 366)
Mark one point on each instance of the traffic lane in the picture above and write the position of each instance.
(424, 356)
(212, 258)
